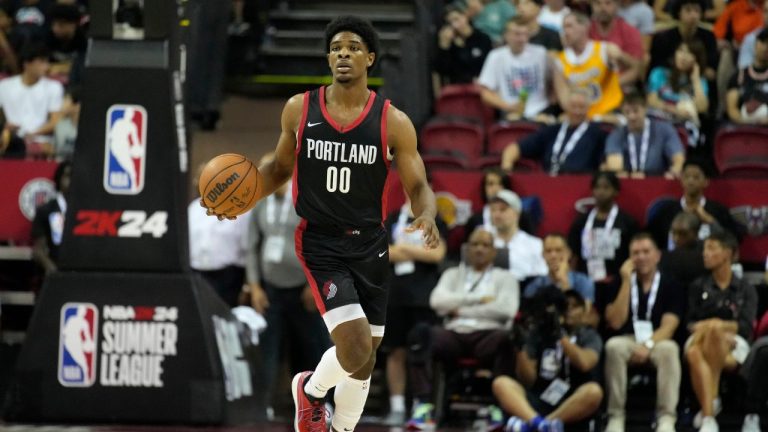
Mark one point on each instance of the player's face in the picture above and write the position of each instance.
(555, 252)
(349, 58)
(715, 254)
(644, 255)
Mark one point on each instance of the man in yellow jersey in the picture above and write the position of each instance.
(591, 65)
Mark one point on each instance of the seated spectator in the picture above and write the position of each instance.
(415, 272)
(721, 309)
(514, 76)
(461, 48)
(218, 250)
(587, 64)
(680, 91)
(747, 97)
(666, 43)
(608, 26)
(65, 132)
(755, 372)
(645, 313)
(644, 146)
(48, 224)
(478, 302)
(601, 237)
(528, 11)
(31, 102)
(640, 16)
(686, 260)
(30, 21)
(557, 255)
(665, 10)
(552, 14)
(494, 180)
(574, 146)
(66, 39)
(739, 18)
(554, 368)
(492, 18)
(523, 250)
(747, 49)
(713, 215)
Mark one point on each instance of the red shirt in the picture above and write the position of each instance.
(622, 34)
(742, 16)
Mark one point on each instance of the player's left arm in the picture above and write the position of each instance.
(401, 137)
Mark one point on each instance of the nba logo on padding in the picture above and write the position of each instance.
(77, 344)
(126, 149)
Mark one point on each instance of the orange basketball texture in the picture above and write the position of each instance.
(229, 184)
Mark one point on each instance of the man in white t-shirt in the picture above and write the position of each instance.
(31, 102)
(524, 250)
(514, 77)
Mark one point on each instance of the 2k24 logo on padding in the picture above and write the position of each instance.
(77, 344)
(121, 223)
(126, 149)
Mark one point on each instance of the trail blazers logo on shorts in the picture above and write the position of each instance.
(329, 290)
(77, 344)
(125, 149)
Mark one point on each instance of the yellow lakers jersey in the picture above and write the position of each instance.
(590, 70)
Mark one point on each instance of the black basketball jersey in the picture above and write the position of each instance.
(340, 175)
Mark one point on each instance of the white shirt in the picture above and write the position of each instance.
(507, 74)
(640, 16)
(215, 244)
(553, 20)
(29, 106)
(526, 257)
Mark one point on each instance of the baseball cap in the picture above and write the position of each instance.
(509, 198)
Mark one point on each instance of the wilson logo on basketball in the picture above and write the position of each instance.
(219, 189)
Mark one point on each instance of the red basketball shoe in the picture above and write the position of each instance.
(310, 411)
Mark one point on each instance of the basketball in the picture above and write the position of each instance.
(229, 184)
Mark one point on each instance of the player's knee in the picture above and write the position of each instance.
(353, 354)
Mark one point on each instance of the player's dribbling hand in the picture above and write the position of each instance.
(209, 212)
(430, 233)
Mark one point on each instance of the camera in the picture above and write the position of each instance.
(540, 318)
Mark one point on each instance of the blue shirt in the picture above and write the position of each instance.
(658, 82)
(663, 143)
(580, 283)
(585, 157)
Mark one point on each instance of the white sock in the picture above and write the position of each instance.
(327, 375)
(397, 403)
(350, 397)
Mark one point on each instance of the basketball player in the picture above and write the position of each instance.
(338, 142)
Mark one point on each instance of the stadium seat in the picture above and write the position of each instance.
(500, 135)
(451, 144)
(463, 100)
(742, 151)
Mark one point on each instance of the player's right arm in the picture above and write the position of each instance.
(274, 173)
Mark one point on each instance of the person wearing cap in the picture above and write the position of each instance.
(66, 39)
(524, 250)
(555, 381)
(646, 313)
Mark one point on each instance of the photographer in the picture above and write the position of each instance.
(555, 366)
(646, 313)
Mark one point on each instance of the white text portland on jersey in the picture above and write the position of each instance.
(333, 151)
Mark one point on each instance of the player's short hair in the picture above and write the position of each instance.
(608, 175)
(358, 26)
(59, 173)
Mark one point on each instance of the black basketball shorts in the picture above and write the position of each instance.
(348, 271)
